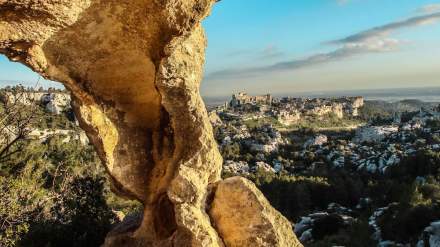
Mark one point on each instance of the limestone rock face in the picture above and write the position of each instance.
(244, 217)
(133, 68)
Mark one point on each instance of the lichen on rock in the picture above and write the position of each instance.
(133, 68)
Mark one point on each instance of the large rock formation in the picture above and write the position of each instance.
(243, 217)
(133, 68)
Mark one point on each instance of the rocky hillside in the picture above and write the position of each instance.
(375, 185)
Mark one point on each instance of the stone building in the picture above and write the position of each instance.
(288, 117)
(242, 98)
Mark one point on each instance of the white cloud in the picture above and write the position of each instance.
(430, 8)
(375, 40)
(373, 45)
(271, 51)
(385, 30)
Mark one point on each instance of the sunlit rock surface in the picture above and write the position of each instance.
(244, 217)
(133, 68)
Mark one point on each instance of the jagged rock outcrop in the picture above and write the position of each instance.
(133, 68)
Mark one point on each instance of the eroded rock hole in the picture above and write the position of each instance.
(164, 218)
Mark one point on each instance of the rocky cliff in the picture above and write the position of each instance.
(133, 68)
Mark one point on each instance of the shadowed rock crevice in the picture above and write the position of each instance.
(134, 68)
(164, 218)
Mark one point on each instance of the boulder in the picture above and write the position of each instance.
(244, 217)
(318, 140)
(236, 167)
(215, 119)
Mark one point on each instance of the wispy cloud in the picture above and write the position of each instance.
(239, 53)
(375, 40)
(429, 9)
(385, 30)
(347, 50)
(269, 52)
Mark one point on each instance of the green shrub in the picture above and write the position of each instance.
(326, 226)
(357, 234)
(79, 217)
(405, 224)
(23, 200)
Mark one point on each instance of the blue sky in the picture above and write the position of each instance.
(16, 73)
(290, 46)
(286, 46)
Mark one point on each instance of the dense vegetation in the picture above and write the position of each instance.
(53, 192)
(310, 122)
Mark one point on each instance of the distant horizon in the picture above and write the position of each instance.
(338, 90)
(27, 83)
(426, 94)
